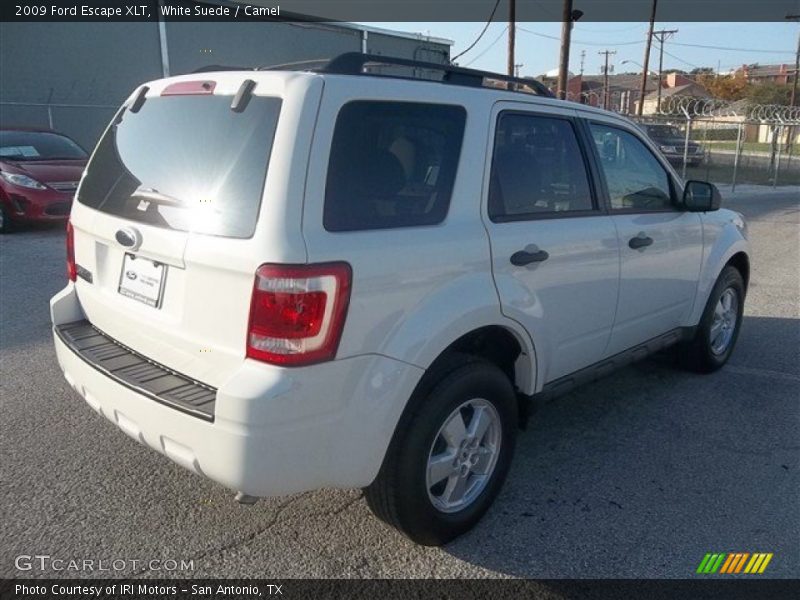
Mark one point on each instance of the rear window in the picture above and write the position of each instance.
(392, 164)
(38, 145)
(187, 163)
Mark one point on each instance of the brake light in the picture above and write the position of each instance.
(190, 88)
(72, 270)
(297, 313)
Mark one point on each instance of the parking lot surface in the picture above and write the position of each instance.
(638, 475)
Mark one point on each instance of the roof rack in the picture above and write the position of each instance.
(356, 63)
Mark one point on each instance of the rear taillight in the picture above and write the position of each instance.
(72, 271)
(297, 313)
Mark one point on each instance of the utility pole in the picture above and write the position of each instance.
(605, 76)
(568, 17)
(517, 67)
(512, 34)
(563, 61)
(583, 60)
(661, 35)
(647, 46)
(793, 100)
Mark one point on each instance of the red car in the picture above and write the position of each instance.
(39, 173)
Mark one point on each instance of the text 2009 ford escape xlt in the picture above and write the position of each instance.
(291, 279)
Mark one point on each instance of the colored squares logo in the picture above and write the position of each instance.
(734, 562)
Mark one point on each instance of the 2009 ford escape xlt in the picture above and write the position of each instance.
(317, 276)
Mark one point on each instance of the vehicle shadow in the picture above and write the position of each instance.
(638, 474)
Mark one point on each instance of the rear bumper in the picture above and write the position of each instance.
(275, 430)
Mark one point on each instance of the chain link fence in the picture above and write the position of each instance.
(82, 122)
(715, 140)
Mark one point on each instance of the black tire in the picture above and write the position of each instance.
(399, 495)
(698, 354)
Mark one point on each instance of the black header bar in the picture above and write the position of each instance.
(393, 10)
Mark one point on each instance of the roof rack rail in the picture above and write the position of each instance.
(355, 63)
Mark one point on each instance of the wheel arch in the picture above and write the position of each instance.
(506, 345)
(727, 248)
(741, 262)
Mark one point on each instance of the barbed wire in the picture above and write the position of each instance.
(625, 102)
(715, 108)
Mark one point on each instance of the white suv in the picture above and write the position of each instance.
(320, 276)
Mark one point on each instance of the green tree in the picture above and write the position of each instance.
(725, 87)
(769, 93)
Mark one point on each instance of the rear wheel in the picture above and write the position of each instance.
(719, 327)
(450, 455)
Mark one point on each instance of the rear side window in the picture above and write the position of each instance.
(537, 169)
(188, 163)
(392, 164)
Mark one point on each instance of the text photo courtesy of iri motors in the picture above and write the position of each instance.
(327, 299)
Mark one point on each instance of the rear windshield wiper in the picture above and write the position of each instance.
(153, 196)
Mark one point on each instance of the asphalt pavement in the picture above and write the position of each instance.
(638, 475)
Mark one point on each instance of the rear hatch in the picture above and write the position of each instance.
(166, 219)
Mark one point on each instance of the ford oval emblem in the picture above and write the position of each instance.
(130, 275)
(129, 237)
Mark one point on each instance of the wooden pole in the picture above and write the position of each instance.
(512, 33)
(563, 64)
(661, 36)
(648, 45)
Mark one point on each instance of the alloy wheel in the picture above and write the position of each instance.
(723, 325)
(463, 455)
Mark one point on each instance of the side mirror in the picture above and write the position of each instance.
(701, 196)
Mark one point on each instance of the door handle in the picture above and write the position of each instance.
(523, 257)
(640, 241)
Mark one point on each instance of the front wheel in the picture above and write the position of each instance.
(450, 456)
(718, 330)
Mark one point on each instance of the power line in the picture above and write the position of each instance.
(489, 47)
(635, 27)
(552, 37)
(679, 59)
(633, 43)
(480, 35)
(729, 49)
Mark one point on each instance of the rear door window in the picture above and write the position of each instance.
(187, 163)
(538, 169)
(392, 164)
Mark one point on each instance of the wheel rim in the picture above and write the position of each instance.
(463, 455)
(723, 326)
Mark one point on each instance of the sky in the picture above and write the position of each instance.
(537, 45)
